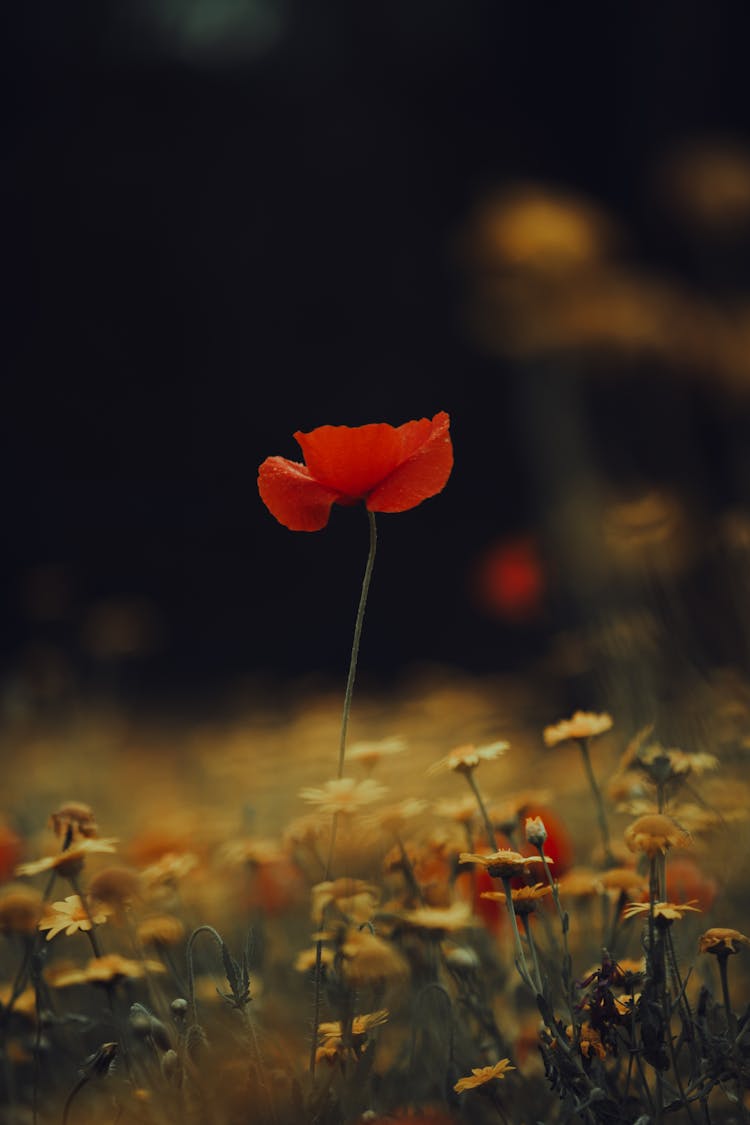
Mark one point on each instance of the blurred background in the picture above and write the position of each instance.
(232, 219)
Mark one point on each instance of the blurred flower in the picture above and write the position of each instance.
(464, 759)
(481, 1075)
(355, 899)
(447, 919)
(368, 960)
(650, 531)
(117, 887)
(102, 970)
(530, 227)
(508, 580)
(669, 911)
(390, 468)
(580, 882)
(462, 809)
(20, 910)
(687, 882)
(368, 754)
(524, 898)
(344, 795)
(721, 941)
(624, 880)
(168, 870)
(11, 851)
(74, 817)
(70, 861)
(584, 724)
(503, 864)
(71, 916)
(160, 930)
(394, 817)
(307, 959)
(708, 183)
(654, 833)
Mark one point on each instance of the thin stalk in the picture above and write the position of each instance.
(488, 827)
(609, 859)
(355, 641)
(722, 960)
(521, 964)
(348, 693)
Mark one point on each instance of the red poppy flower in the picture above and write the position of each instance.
(390, 468)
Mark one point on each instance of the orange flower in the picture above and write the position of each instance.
(524, 898)
(654, 833)
(721, 941)
(69, 861)
(390, 468)
(481, 1075)
(70, 915)
(464, 759)
(503, 864)
(584, 724)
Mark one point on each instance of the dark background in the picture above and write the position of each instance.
(229, 221)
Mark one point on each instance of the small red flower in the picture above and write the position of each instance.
(390, 468)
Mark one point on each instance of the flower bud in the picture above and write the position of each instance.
(536, 833)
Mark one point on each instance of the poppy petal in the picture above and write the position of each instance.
(292, 496)
(424, 472)
(354, 459)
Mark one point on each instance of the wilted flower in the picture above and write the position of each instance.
(655, 833)
(390, 468)
(74, 817)
(70, 915)
(721, 941)
(584, 724)
(481, 1075)
(464, 759)
(344, 795)
(70, 861)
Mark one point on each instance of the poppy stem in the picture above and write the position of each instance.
(355, 641)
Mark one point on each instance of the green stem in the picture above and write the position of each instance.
(521, 964)
(348, 693)
(488, 827)
(355, 641)
(600, 813)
